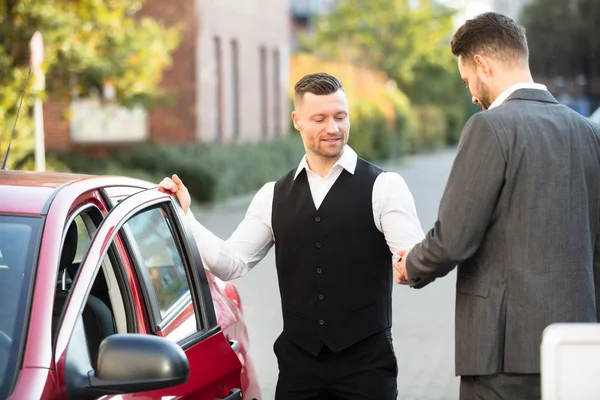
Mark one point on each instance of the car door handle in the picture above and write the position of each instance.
(235, 345)
(234, 394)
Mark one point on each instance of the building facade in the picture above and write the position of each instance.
(228, 82)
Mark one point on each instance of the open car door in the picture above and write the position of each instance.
(176, 302)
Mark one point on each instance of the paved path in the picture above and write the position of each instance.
(423, 327)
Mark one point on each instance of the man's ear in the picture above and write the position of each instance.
(483, 65)
(295, 120)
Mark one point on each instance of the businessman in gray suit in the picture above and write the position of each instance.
(520, 216)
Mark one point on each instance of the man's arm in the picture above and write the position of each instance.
(395, 212)
(248, 244)
(466, 207)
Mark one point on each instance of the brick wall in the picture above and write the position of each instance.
(193, 81)
(173, 124)
(176, 124)
(56, 125)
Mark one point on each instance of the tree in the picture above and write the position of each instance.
(563, 37)
(88, 43)
(410, 44)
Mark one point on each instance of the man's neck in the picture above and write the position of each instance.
(320, 165)
(511, 79)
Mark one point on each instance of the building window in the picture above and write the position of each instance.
(235, 90)
(263, 92)
(218, 92)
(276, 92)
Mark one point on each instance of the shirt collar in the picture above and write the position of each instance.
(504, 95)
(346, 161)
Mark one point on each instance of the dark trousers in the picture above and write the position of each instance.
(367, 371)
(501, 387)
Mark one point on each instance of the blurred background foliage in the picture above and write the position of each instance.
(212, 172)
(87, 43)
(392, 56)
(563, 38)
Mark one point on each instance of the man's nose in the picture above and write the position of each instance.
(474, 100)
(331, 126)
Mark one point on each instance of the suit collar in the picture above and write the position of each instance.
(532, 95)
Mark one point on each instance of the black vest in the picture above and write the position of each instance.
(333, 264)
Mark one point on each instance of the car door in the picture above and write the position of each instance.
(176, 297)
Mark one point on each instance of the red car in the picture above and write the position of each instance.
(103, 294)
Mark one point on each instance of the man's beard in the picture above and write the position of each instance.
(484, 99)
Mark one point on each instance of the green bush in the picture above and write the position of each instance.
(428, 127)
(370, 132)
(210, 171)
(455, 120)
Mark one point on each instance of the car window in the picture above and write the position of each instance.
(105, 287)
(161, 260)
(83, 239)
(18, 241)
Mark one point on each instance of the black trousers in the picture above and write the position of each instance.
(367, 370)
(501, 387)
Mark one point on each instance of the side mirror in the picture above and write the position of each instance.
(130, 363)
(127, 363)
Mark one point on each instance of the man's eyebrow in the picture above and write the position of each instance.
(324, 115)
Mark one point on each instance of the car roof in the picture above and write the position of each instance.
(27, 192)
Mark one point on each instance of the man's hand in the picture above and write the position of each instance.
(400, 274)
(175, 187)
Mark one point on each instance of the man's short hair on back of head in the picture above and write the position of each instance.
(491, 34)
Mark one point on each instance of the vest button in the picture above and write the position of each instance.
(321, 322)
(319, 270)
(318, 219)
(321, 297)
(318, 245)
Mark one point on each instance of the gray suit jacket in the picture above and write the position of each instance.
(520, 215)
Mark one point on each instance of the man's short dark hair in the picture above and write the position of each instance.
(319, 83)
(492, 34)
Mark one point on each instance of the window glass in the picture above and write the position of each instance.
(161, 259)
(18, 241)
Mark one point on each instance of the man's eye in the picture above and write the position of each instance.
(319, 120)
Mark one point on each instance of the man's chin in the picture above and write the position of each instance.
(332, 154)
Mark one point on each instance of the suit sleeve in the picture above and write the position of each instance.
(467, 205)
(597, 275)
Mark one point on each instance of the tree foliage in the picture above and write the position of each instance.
(563, 37)
(410, 44)
(87, 44)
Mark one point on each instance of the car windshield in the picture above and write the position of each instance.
(18, 238)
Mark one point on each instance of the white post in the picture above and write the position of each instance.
(40, 152)
(37, 57)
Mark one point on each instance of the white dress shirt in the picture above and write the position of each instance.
(394, 214)
(504, 95)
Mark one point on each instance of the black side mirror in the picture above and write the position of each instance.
(137, 363)
(127, 363)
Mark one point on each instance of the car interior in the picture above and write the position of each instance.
(104, 310)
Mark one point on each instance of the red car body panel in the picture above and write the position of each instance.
(214, 367)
